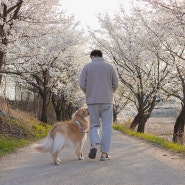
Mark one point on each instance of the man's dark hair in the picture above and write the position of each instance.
(96, 53)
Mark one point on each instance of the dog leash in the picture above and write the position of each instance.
(81, 128)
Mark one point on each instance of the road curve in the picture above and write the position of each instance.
(133, 162)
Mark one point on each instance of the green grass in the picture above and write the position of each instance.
(174, 147)
(40, 131)
(33, 131)
(10, 144)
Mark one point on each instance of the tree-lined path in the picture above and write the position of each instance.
(134, 162)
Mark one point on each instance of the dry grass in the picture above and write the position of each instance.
(162, 127)
(17, 123)
(158, 126)
(18, 128)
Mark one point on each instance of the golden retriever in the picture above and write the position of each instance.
(67, 133)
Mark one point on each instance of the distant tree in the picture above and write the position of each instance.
(120, 102)
(65, 97)
(62, 106)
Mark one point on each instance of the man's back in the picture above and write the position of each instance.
(99, 81)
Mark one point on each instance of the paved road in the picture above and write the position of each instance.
(134, 162)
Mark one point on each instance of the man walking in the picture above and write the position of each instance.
(99, 80)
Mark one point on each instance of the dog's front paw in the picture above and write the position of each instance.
(57, 162)
(81, 158)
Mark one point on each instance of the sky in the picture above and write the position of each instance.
(86, 11)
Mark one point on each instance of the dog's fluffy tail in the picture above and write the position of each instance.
(46, 146)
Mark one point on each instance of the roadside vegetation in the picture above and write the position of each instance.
(19, 131)
(23, 129)
(157, 140)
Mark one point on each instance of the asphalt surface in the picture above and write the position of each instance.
(133, 162)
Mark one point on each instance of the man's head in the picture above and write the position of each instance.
(96, 53)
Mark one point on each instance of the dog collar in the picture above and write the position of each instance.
(78, 123)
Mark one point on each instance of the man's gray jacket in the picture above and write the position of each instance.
(99, 81)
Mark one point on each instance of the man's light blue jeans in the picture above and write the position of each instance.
(101, 115)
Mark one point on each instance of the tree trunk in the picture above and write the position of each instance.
(144, 112)
(115, 117)
(178, 133)
(58, 115)
(142, 122)
(2, 54)
(114, 114)
(44, 117)
(135, 122)
(141, 127)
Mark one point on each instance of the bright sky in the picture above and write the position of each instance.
(86, 11)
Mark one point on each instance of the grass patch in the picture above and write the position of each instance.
(174, 147)
(10, 144)
(40, 131)
(19, 132)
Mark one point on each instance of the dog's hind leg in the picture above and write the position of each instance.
(58, 145)
(55, 158)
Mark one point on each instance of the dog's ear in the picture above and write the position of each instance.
(83, 112)
(79, 112)
(87, 111)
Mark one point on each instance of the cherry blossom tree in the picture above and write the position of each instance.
(142, 69)
(9, 12)
(173, 39)
(52, 64)
(45, 48)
